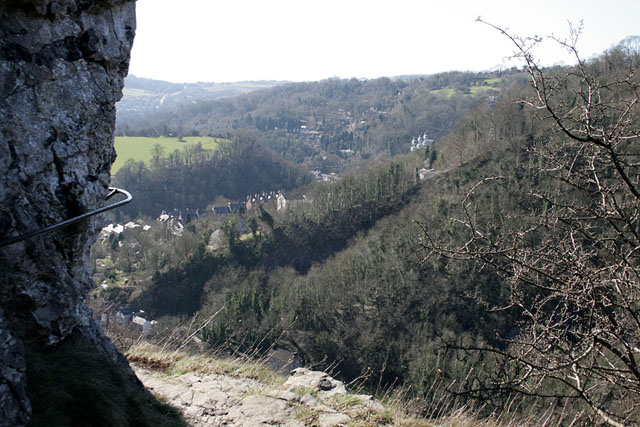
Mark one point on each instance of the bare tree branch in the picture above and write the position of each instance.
(574, 268)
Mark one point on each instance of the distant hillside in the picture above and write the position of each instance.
(334, 124)
(144, 96)
(150, 85)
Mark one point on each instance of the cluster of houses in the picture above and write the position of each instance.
(177, 215)
(134, 317)
(306, 132)
(423, 141)
(252, 201)
(177, 218)
(119, 228)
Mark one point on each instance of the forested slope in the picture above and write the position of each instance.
(342, 273)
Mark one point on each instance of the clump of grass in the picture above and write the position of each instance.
(343, 402)
(365, 417)
(74, 384)
(444, 409)
(178, 363)
(301, 391)
(306, 415)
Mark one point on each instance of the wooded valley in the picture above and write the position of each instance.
(499, 263)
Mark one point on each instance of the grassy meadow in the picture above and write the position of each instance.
(138, 92)
(139, 147)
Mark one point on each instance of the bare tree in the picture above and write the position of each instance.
(573, 261)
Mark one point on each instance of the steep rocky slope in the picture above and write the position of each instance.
(62, 65)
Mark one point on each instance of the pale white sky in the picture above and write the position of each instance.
(304, 40)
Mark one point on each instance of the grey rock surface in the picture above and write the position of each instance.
(62, 65)
(331, 420)
(14, 405)
(326, 386)
(219, 400)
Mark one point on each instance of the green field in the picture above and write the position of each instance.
(138, 92)
(479, 89)
(494, 81)
(446, 92)
(139, 147)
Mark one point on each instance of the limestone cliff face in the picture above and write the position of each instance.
(62, 65)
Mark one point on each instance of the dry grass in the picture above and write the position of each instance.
(178, 363)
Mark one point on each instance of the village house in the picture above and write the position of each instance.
(281, 202)
(131, 316)
(226, 210)
(145, 325)
(124, 315)
(164, 217)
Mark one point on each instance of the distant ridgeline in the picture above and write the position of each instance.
(143, 96)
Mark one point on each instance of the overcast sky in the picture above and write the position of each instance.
(306, 40)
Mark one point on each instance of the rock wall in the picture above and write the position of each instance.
(62, 65)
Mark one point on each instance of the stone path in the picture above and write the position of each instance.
(306, 398)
